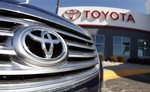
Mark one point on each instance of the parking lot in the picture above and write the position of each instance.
(135, 83)
(126, 78)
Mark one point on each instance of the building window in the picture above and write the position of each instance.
(144, 48)
(121, 46)
(100, 43)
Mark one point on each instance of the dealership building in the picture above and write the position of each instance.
(115, 31)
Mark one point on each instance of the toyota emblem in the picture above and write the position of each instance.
(72, 14)
(40, 46)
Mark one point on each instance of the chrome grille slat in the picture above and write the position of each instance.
(74, 36)
(4, 50)
(6, 33)
(14, 20)
(7, 51)
(77, 54)
(86, 63)
(55, 82)
(79, 45)
(71, 66)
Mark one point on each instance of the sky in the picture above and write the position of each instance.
(133, 5)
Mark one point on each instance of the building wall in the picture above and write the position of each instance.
(112, 22)
(148, 6)
(109, 32)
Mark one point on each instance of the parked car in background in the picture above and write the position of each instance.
(41, 52)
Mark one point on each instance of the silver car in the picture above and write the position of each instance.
(41, 52)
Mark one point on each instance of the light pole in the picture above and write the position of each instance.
(57, 6)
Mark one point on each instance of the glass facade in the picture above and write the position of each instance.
(100, 43)
(121, 45)
(143, 48)
(115, 42)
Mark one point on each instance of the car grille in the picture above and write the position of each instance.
(82, 61)
(82, 53)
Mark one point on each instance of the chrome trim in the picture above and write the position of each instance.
(15, 68)
(6, 33)
(74, 36)
(7, 51)
(88, 63)
(55, 84)
(79, 45)
(77, 54)
(17, 21)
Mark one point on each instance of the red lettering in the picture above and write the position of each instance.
(105, 14)
(96, 14)
(130, 18)
(114, 16)
(123, 16)
(86, 13)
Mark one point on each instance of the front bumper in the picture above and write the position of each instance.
(85, 81)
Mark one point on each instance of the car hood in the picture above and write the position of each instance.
(14, 6)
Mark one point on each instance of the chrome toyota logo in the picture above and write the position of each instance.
(72, 14)
(40, 46)
(43, 40)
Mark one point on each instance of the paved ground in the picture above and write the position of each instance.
(116, 70)
(134, 83)
(119, 77)
(121, 66)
